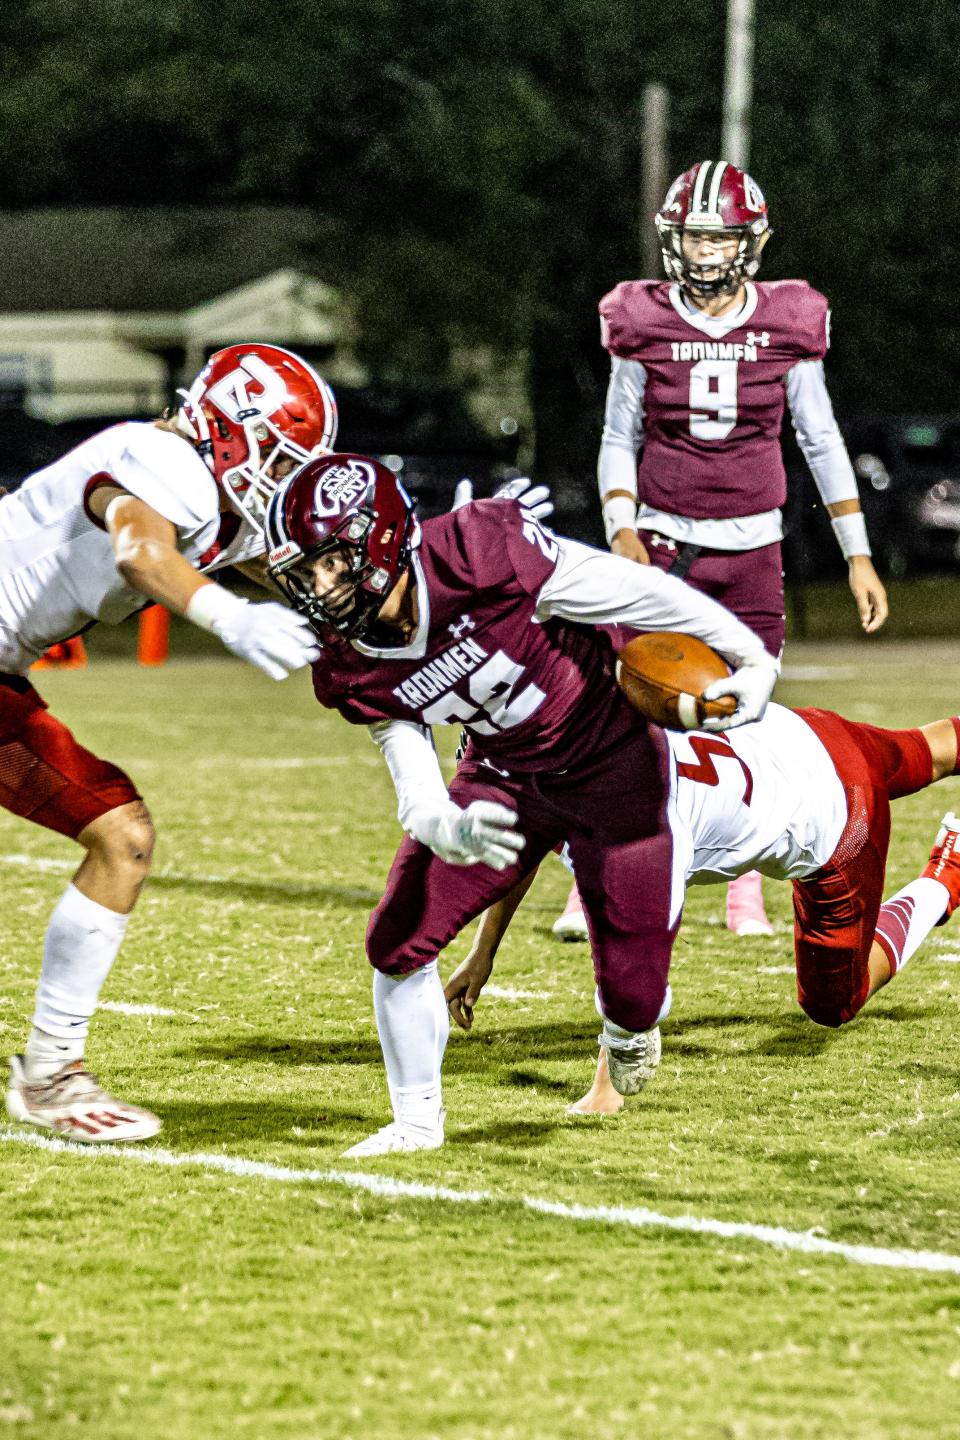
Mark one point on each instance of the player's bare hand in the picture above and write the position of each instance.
(868, 592)
(628, 544)
(463, 988)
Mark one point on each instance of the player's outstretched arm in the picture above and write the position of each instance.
(463, 988)
(270, 636)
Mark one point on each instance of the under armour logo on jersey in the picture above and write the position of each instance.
(753, 338)
(460, 627)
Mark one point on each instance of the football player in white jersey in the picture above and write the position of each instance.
(140, 513)
(802, 796)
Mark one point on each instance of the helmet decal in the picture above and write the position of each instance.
(343, 484)
(231, 394)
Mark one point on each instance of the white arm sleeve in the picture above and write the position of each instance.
(592, 588)
(413, 765)
(818, 433)
(622, 427)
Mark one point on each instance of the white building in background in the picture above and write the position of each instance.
(106, 312)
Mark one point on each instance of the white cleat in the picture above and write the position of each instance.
(72, 1104)
(572, 924)
(632, 1058)
(396, 1138)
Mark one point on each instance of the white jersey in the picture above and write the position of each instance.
(57, 569)
(762, 797)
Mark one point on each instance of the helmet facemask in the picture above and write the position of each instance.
(365, 582)
(725, 275)
(250, 484)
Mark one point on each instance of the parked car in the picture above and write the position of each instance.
(908, 471)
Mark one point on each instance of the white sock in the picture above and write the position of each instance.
(665, 1009)
(906, 919)
(81, 944)
(44, 1055)
(413, 1024)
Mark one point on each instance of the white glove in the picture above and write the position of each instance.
(536, 500)
(274, 638)
(481, 834)
(752, 685)
(462, 495)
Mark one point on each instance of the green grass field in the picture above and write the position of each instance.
(187, 1301)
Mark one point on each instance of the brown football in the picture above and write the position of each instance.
(664, 675)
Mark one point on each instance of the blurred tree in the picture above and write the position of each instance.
(483, 161)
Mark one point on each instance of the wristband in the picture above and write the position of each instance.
(212, 607)
(851, 533)
(619, 513)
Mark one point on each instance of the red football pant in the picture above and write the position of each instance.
(45, 775)
(835, 911)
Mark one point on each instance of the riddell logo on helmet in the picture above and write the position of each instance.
(342, 485)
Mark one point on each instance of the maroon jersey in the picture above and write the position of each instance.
(713, 408)
(533, 697)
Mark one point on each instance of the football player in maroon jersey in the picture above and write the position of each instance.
(690, 471)
(484, 620)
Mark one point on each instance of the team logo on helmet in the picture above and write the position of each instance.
(753, 195)
(343, 485)
(233, 396)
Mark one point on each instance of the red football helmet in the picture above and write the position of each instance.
(722, 200)
(250, 406)
(348, 503)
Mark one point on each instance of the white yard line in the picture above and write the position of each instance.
(506, 992)
(806, 1242)
(122, 1008)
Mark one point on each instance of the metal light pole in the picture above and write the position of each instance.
(654, 178)
(738, 83)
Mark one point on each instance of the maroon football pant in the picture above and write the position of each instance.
(835, 910)
(613, 815)
(748, 582)
(45, 775)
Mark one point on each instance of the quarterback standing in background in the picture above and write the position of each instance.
(691, 474)
(141, 512)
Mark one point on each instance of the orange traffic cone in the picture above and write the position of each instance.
(153, 639)
(66, 655)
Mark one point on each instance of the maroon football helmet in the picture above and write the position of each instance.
(346, 503)
(720, 199)
(250, 406)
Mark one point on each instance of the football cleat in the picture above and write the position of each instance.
(572, 924)
(745, 912)
(944, 862)
(72, 1104)
(397, 1137)
(632, 1057)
